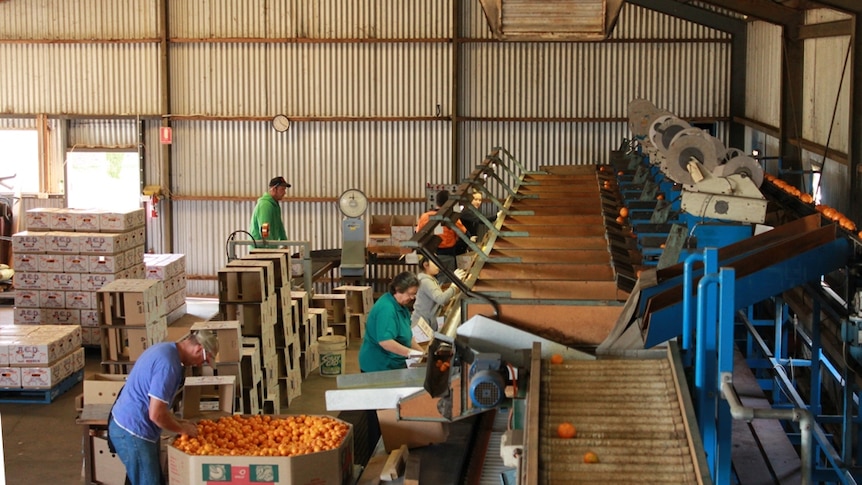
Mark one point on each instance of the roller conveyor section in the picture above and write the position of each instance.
(554, 269)
(630, 413)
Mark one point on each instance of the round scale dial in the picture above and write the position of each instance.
(353, 203)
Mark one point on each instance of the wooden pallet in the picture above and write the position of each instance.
(40, 396)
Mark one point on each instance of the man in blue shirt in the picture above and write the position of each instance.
(143, 408)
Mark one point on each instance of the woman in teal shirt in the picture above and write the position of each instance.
(388, 340)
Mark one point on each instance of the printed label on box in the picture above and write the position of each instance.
(214, 473)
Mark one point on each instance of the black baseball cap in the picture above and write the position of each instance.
(279, 182)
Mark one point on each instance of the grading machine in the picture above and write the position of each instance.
(706, 313)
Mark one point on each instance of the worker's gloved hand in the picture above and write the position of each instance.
(460, 274)
(473, 238)
(415, 353)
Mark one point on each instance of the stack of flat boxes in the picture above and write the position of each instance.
(252, 376)
(287, 324)
(247, 294)
(40, 357)
(65, 256)
(358, 301)
(305, 333)
(332, 313)
(131, 319)
(228, 362)
(170, 269)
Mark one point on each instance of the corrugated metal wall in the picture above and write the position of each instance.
(364, 82)
(825, 61)
(763, 73)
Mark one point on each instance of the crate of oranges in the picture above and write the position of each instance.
(282, 450)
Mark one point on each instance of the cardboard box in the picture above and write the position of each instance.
(39, 219)
(121, 220)
(27, 316)
(335, 305)
(198, 390)
(62, 242)
(46, 377)
(25, 262)
(281, 266)
(61, 316)
(359, 299)
(30, 281)
(61, 220)
(82, 300)
(86, 220)
(94, 282)
(132, 302)
(103, 388)
(76, 263)
(107, 467)
(106, 263)
(10, 377)
(333, 467)
(28, 242)
(101, 243)
(229, 338)
(164, 266)
(414, 434)
(52, 299)
(63, 281)
(42, 344)
(89, 318)
(242, 285)
(26, 298)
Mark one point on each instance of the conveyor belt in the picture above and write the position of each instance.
(630, 413)
(554, 269)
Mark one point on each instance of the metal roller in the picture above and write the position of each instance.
(685, 147)
(732, 153)
(742, 165)
(664, 128)
(640, 111)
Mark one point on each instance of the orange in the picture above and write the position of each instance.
(621, 220)
(624, 212)
(660, 197)
(590, 457)
(566, 430)
(621, 173)
(556, 359)
(806, 198)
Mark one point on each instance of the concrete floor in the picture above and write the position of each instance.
(42, 443)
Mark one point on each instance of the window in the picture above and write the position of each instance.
(103, 180)
(19, 161)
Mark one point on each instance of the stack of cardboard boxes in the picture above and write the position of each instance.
(170, 269)
(255, 290)
(65, 256)
(40, 357)
(131, 319)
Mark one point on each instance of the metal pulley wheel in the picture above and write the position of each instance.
(664, 128)
(693, 144)
(741, 165)
(640, 112)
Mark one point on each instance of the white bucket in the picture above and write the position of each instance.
(333, 353)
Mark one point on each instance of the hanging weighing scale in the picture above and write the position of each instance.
(353, 205)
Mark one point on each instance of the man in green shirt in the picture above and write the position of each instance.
(267, 211)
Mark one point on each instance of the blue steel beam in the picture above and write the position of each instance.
(666, 323)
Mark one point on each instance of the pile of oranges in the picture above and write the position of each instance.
(264, 436)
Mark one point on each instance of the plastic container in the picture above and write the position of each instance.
(333, 354)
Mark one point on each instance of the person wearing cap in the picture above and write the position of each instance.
(143, 407)
(268, 212)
